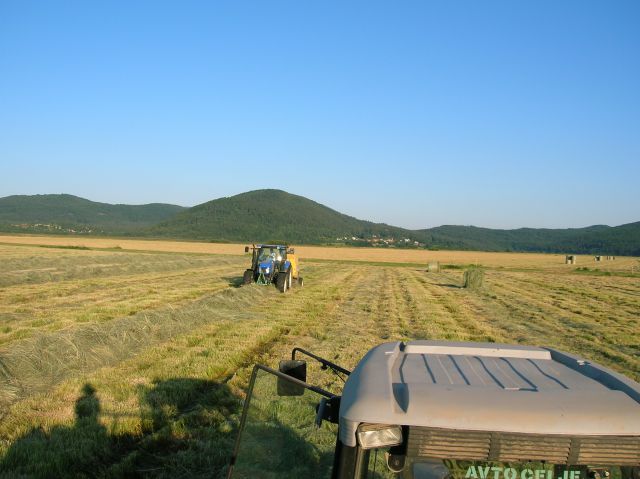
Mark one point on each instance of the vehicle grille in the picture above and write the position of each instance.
(492, 446)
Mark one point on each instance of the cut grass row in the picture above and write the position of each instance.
(30, 265)
(27, 309)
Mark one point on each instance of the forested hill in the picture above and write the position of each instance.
(69, 214)
(270, 215)
(274, 215)
(620, 240)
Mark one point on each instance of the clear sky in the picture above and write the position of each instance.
(497, 114)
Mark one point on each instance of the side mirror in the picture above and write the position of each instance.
(291, 251)
(296, 369)
(246, 249)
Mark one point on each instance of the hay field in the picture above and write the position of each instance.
(118, 363)
(513, 260)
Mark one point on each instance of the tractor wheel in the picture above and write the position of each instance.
(281, 282)
(289, 278)
(248, 277)
(300, 281)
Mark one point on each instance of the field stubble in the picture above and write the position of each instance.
(149, 381)
(392, 255)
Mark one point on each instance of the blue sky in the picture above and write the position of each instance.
(498, 114)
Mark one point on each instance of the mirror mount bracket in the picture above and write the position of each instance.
(328, 409)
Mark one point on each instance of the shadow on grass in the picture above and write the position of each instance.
(62, 451)
(184, 429)
(234, 281)
(274, 451)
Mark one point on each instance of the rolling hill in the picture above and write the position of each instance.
(269, 215)
(71, 214)
(274, 215)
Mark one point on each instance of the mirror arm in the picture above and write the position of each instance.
(325, 363)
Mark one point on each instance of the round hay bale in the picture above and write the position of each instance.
(433, 266)
(473, 278)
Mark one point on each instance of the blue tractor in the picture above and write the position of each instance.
(273, 264)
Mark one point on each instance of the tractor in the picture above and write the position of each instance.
(441, 410)
(273, 264)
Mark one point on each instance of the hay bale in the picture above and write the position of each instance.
(473, 278)
(433, 267)
(598, 258)
(570, 259)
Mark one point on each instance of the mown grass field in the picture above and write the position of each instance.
(120, 363)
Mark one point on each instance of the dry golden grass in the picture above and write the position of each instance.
(170, 408)
(127, 244)
(510, 260)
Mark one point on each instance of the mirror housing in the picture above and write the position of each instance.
(246, 249)
(296, 369)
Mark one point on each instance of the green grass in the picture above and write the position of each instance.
(369, 263)
(459, 266)
(279, 440)
(63, 246)
(599, 272)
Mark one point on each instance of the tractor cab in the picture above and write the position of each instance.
(442, 410)
(271, 254)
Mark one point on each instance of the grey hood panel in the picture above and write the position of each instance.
(487, 387)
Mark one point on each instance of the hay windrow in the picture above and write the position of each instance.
(38, 363)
